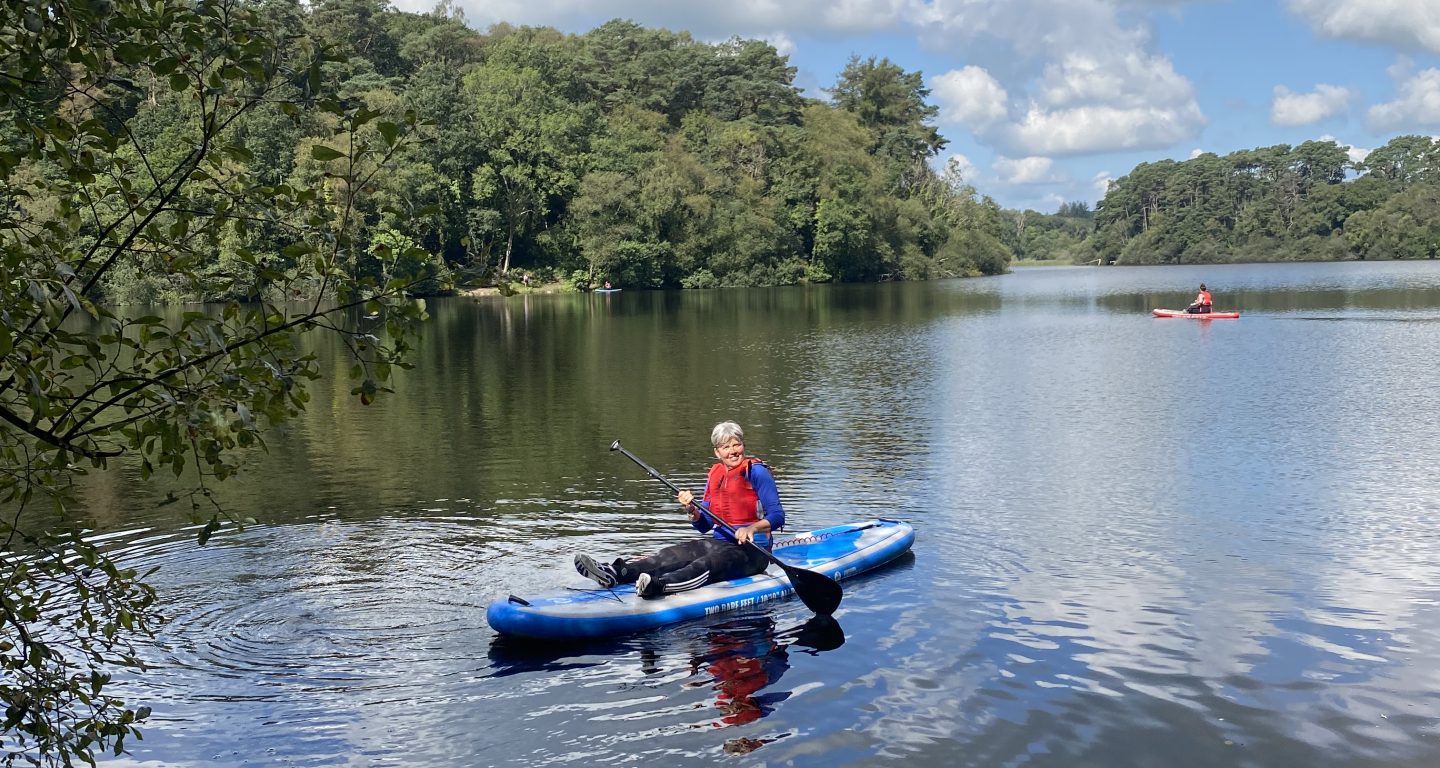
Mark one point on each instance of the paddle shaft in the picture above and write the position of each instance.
(819, 592)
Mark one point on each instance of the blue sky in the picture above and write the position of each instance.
(1042, 101)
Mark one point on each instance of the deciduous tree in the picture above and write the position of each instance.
(91, 191)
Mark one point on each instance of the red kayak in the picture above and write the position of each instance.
(1195, 316)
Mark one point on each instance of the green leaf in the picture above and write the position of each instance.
(365, 115)
(367, 391)
(324, 153)
(390, 131)
(209, 530)
(179, 82)
(313, 77)
(130, 52)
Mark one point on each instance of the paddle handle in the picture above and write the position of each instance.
(649, 470)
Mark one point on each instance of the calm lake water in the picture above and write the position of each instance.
(1141, 542)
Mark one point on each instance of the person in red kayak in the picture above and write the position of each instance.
(1202, 303)
(739, 490)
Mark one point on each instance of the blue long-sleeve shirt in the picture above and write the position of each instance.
(764, 484)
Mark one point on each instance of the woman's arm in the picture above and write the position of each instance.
(764, 484)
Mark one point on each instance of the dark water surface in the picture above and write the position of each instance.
(1141, 542)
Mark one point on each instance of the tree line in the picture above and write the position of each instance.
(639, 156)
(1282, 203)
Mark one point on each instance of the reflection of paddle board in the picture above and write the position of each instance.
(838, 552)
(1195, 316)
(607, 290)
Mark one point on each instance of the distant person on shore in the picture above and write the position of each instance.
(739, 490)
(1202, 303)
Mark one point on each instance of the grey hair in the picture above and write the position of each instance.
(725, 430)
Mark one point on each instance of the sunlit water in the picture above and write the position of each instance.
(1142, 542)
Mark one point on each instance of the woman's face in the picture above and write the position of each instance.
(730, 453)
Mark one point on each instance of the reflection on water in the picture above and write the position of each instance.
(745, 657)
(1140, 542)
(740, 659)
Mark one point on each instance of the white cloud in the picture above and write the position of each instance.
(1101, 182)
(1356, 154)
(1417, 104)
(969, 97)
(848, 14)
(1289, 108)
(1033, 29)
(782, 42)
(1407, 24)
(962, 165)
(1102, 128)
(1053, 202)
(1084, 82)
(1027, 170)
(1128, 78)
(1161, 3)
(1088, 103)
(1196, 152)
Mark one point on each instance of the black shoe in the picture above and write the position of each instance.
(645, 587)
(602, 573)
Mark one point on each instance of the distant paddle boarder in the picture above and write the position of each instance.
(1202, 304)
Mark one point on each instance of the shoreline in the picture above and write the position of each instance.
(516, 289)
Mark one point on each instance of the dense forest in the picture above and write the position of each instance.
(1309, 202)
(638, 156)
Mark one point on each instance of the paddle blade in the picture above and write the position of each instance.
(819, 592)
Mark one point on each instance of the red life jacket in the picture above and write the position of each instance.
(731, 496)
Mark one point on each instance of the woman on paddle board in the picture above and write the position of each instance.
(740, 491)
(1202, 304)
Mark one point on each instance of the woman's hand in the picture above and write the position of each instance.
(687, 500)
(746, 534)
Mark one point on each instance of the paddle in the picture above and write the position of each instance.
(819, 592)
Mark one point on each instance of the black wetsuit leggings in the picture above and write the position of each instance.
(694, 563)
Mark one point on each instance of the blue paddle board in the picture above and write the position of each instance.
(838, 552)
